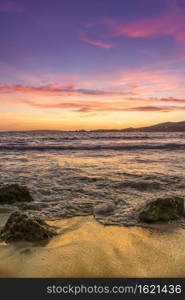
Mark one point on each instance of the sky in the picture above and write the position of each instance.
(71, 65)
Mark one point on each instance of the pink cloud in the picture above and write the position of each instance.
(136, 90)
(128, 86)
(44, 89)
(10, 6)
(97, 43)
(58, 89)
(147, 83)
(173, 100)
(169, 23)
(156, 108)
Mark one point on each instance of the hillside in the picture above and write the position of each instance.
(162, 127)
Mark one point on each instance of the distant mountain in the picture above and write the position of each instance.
(162, 127)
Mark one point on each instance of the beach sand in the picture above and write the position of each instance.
(85, 248)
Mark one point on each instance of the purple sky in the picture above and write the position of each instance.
(69, 64)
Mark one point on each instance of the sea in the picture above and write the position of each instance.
(70, 173)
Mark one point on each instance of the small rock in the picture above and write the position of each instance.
(140, 185)
(163, 209)
(11, 193)
(25, 227)
(103, 209)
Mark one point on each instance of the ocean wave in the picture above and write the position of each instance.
(70, 138)
(80, 138)
(118, 147)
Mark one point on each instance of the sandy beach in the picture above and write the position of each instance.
(85, 248)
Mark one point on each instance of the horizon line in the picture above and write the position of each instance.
(88, 130)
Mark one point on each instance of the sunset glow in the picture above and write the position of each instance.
(70, 65)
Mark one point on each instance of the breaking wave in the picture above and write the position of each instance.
(119, 147)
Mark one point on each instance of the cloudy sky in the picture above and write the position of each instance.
(83, 64)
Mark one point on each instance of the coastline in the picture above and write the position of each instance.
(86, 248)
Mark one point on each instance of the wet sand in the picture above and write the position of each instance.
(85, 248)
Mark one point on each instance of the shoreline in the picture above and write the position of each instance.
(86, 248)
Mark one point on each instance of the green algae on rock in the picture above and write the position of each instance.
(26, 227)
(12, 193)
(163, 209)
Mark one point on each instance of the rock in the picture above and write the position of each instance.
(103, 209)
(163, 209)
(11, 193)
(28, 206)
(26, 227)
(140, 185)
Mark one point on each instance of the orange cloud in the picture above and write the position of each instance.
(152, 90)
(155, 99)
(94, 106)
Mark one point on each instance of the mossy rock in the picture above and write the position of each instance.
(163, 209)
(12, 193)
(26, 227)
